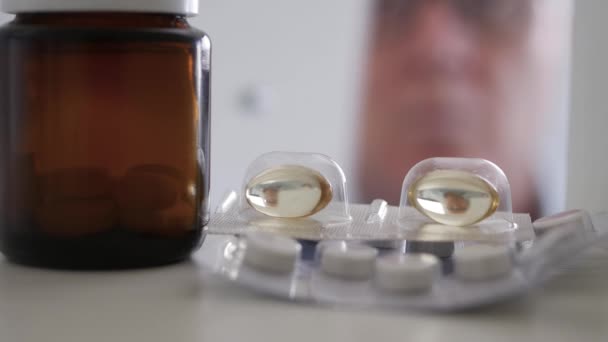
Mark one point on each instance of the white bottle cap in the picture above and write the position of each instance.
(407, 272)
(482, 262)
(349, 261)
(271, 253)
(578, 220)
(180, 7)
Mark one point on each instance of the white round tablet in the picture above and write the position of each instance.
(482, 262)
(406, 272)
(349, 261)
(271, 253)
(572, 219)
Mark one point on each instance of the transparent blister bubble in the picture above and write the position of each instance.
(290, 191)
(356, 274)
(456, 194)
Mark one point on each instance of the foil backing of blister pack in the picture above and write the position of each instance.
(370, 223)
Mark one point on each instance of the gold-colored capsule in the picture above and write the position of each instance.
(454, 197)
(289, 191)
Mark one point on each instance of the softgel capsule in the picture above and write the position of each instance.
(353, 274)
(271, 253)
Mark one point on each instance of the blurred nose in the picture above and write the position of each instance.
(440, 41)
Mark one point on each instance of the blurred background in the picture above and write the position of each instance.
(382, 84)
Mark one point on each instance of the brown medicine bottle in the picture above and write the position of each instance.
(104, 133)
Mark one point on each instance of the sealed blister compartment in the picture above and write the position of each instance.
(345, 260)
(440, 194)
(290, 190)
(354, 274)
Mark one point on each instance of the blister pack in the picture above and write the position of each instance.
(453, 243)
(428, 276)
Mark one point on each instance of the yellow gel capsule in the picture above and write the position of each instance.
(454, 197)
(289, 191)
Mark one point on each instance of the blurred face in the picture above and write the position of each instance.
(450, 78)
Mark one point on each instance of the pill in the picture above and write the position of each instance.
(289, 191)
(572, 219)
(173, 221)
(75, 183)
(482, 262)
(76, 217)
(149, 187)
(406, 272)
(349, 261)
(271, 253)
(454, 197)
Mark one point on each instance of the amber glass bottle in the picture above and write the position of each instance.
(104, 133)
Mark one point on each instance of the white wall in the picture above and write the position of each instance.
(588, 167)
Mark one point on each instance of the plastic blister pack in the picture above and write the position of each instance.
(452, 243)
(305, 196)
(356, 274)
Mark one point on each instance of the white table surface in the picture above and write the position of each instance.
(179, 303)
